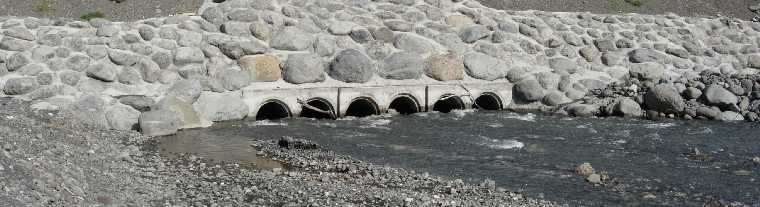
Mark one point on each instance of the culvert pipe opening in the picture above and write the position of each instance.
(404, 105)
(487, 101)
(448, 103)
(362, 107)
(273, 110)
(318, 109)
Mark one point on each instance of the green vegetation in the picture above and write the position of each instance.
(44, 6)
(636, 3)
(92, 15)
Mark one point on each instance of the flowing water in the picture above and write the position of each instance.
(665, 163)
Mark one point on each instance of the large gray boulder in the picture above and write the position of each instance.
(103, 72)
(232, 79)
(292, 38)
(89, 109)
(188, 55)
(122, 117)
(213, 106)
(563, 65)
(528, 90)
(582, 110)
(402, 65)
(19, 86)
(140, 103)
(414, 43)
(485, 67)
(158, 123)
(303, 68)
(627, 107)
(186, 90)
(664, 98)
(718, 96)
(188, 117)
(730, 116)
(351, 66)
(474, 33)
(646, 55)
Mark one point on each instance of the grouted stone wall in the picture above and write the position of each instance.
(185, 71)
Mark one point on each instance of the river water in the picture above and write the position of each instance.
(650, 163)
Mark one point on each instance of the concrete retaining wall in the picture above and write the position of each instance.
(165, 74)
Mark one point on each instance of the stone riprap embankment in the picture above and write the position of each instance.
(185, 71)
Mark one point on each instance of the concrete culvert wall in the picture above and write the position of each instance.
(488, 101)
(272, 110)
(448, 103)
(320, 104)
(405, 104)
(362, 107)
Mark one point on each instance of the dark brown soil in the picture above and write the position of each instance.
(127, 10)
(732, 8)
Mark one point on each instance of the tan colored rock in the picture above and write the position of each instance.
(263, 68)
(444, 67)
(459, 21)
(585, 169)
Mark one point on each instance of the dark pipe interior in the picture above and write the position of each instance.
(320, 104)
(361, 108)
(487, 102)
(272, 110)
(404, 105)
(448, 104)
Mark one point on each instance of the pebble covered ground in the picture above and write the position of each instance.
(49, 161)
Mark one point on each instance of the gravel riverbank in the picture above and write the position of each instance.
(48, 160)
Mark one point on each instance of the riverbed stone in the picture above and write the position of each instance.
(351, 66)
(402, 65)
(664, 98)
(303, 68)
(528, 90)
(226, 106)
(555, 98)
(188, 117)
(292, 39)
(647, 71)
(730, 116)
(158, 123)
(262, 68)
(444, 67)
(19, 86)
(563, 65)
(485, 67)
(716, 95)
(122, 117)
(627, 107)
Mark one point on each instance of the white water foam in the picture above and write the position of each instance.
(266, 123)
(659, 125)
(501, 143)
(523, 117)
(461, 113)
(495, 125)
(375, 123)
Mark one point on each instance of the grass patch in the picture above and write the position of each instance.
(44, 6)
(92, 15)
(636, 3)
